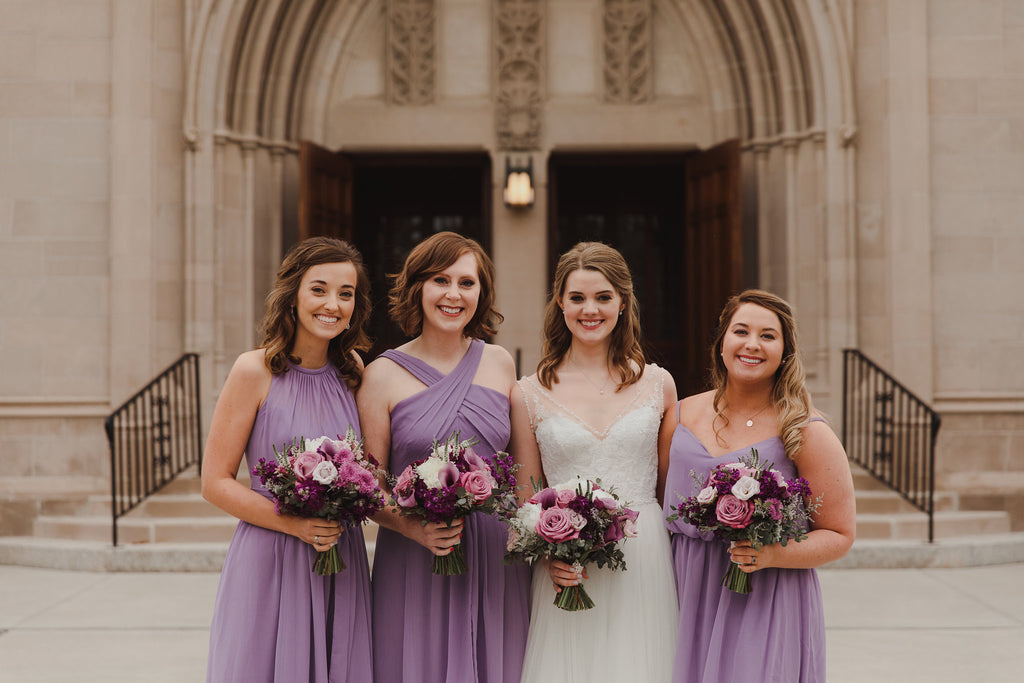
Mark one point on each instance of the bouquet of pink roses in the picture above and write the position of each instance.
(748, 500)
(577, 522)
(451, 483)
(323, 478)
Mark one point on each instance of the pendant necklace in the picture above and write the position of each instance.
(600, 389)
(750, 420)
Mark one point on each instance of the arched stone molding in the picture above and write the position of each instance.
(775, 73)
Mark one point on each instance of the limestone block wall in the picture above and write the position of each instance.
(940, 215)
(91, 205)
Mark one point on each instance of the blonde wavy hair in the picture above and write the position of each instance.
(789, 396)
(278, 325)
(625, 354)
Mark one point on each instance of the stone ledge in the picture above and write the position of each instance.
(96, 556)
(943, 553)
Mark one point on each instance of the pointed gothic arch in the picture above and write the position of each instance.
(775, 73)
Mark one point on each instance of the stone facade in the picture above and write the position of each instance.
(148, 175)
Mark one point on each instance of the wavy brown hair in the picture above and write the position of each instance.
(625, 355)
(789, 396)
(278, 325)
(427, 259)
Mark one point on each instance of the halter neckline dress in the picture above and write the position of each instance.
(455, 629)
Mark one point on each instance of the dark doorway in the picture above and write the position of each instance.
(655, 208)
(398, 201)
(385, 204)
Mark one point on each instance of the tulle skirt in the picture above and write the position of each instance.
(630, 633)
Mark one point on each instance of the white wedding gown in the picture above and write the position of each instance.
(630, 635)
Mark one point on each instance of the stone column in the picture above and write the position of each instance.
(132, 164)
(909, 195)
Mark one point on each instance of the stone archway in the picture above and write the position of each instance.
(263, 75)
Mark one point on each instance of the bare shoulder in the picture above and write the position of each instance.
(695, 407)
(251, 367)
(379, 371)
(818, 435)
(499, 356)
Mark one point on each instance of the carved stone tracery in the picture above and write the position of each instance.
(411, 51)
(519, 64)
(628, 52)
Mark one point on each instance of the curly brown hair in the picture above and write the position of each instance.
(625, 353)
(789, 391)
(427, 259)
(278, 326)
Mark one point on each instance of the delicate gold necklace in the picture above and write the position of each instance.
(750, 420)
(600, 389)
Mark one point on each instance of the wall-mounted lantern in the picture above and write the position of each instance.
(519, 183)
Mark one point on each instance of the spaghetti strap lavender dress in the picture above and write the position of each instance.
(454, 629)
(777, 632)
(275, 619)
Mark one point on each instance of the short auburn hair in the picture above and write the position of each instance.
(427, 259)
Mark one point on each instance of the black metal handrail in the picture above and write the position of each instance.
(890, 432)
(154, 436)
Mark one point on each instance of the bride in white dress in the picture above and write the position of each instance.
(594, 409)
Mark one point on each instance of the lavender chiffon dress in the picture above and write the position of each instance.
(774, 634)
(275, 619)
(454, 629)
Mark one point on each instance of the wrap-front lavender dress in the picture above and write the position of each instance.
(776, 633)
(454, 629)
(275, 619)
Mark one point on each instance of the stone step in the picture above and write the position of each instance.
(883, 502)
(138, 529)
(99, 556)
(914, 526)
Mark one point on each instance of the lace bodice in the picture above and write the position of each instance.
(624, 455)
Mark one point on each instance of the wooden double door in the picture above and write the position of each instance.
(676, 217)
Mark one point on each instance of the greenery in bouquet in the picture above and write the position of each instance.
(578, 523)
(748, 500)
(324, 478)
(453, 482)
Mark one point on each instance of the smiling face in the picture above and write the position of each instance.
(590, 306)
(450, 297)
(753, 344)
(324, 302)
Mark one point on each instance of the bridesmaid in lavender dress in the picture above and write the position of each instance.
(427, 628)
(275, 619)
(777, 632)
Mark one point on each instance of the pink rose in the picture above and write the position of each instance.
(478, 484)
(558, 524)
(733, 512)
(304, 463)
(405, 493)
(565, 497)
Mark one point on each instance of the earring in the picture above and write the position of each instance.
(620, 313)
(348, 326)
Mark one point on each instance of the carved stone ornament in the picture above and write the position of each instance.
(519, 40)
(628, 48)
(411, 51)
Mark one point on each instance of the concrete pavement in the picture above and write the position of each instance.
(884, 625)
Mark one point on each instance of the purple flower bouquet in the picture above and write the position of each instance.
(748, 500)
(577, 522)
(451, 483)
(327, 479)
